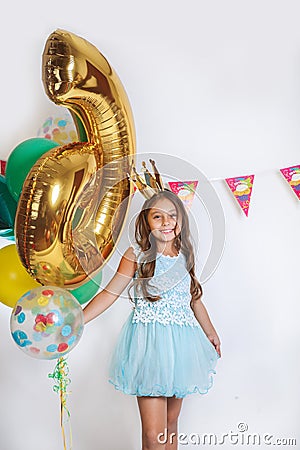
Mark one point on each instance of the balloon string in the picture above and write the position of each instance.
(60, 375)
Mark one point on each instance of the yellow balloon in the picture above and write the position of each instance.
(14, 279)
(77, 76)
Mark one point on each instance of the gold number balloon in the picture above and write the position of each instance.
(77, 76)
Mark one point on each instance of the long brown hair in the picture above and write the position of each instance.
(147, 244)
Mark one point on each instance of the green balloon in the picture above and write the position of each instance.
(8, 205)
(85, 292)
(22, 159)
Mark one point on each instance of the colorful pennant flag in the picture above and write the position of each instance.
(292, 176)
(185, 191)
(2, 167)
(241, 188)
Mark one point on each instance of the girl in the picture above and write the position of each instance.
(168, 347)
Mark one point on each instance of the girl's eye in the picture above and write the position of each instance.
(158, 216)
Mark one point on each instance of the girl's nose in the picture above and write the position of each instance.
(166, 220)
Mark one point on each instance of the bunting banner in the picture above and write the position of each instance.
(292, 176)
(185, 191)
(2, 167)
(241, 187)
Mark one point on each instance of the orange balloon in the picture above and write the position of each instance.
(14, 278)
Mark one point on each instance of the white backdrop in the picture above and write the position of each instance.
(215, 83)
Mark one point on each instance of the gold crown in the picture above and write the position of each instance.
(149, 184)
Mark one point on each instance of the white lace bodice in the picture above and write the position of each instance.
(171, 281)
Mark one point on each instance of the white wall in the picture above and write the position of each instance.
(216, 83)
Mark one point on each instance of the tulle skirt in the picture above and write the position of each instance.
(162, 360)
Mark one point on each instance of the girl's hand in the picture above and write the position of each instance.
(214, 339)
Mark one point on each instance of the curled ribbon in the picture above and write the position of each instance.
(60, 376)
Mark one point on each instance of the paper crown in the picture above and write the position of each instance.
(149, 184)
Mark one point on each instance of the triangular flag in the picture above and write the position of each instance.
(241, 188)
(185, 190)
(292, 176)
(2, 167)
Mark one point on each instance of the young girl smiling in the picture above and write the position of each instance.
(168, 347)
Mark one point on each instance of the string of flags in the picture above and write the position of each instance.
(240, 186)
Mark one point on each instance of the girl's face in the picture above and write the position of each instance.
(163, 220)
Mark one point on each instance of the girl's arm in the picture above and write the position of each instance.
(114, 288)
(202, 316)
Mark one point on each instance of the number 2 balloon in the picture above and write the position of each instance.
(76, 75)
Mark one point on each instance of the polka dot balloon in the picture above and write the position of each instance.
(59, 129)
(47, 322)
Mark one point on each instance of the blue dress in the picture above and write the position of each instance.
(162, 350)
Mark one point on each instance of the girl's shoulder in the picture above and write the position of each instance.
(135, 249)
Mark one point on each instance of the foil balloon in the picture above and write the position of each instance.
(76, 75)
